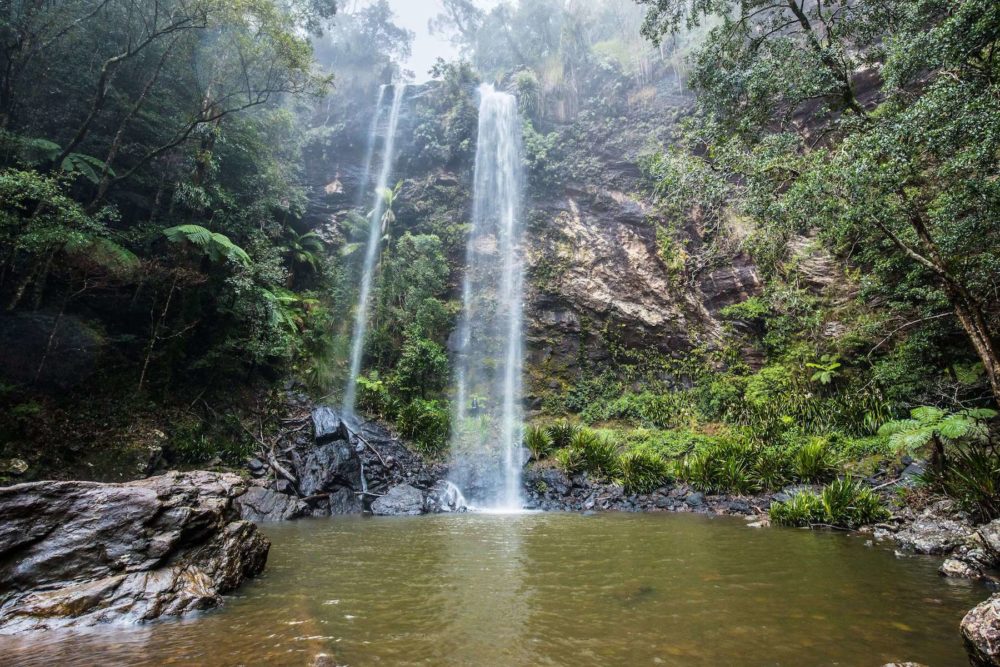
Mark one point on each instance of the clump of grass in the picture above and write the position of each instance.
(642, 471)
(600, 454)
(561, 433)
(538, 442)
(803, 509)
(570, 460)
(814, 462)
(844, 503)
(771, 470)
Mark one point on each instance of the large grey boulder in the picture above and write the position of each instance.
(400, 500)
(327, 425)
(329, 467)
(981, 632)
(261, 504)
(83, 553)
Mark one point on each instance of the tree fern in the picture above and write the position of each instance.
(214, 245)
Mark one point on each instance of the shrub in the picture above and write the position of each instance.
(538, 442)
(972, 477)
(843, 503)
(600, 454)
(814, 462)
(734, 476)
(642, 471)
(561, 433)
(570, 460)
(771, 469)
(802, 509)
(427, 424)
(698, 470)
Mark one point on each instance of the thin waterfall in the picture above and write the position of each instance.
(366, 170)
(488, 419)
(371, 251)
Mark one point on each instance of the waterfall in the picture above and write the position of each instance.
(366, 170)
(371, 250)
(487, 425)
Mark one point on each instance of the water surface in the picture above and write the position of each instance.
(554, 589)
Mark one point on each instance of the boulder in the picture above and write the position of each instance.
(328, 467)
(83, 553)
(933, 535)
(989, 536)
(327, 425)
(444, 497)
(400, 500)
(695, 499)
(959, 569)
(981, 632)
(261, 504)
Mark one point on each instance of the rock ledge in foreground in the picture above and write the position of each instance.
(981, 632)
(83, 553)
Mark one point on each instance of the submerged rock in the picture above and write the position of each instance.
(260, 504)
(400, 500)
(83, 553)
(981, 632)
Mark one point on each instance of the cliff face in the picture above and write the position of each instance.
(596, 277)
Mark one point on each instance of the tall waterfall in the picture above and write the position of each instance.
(371, 250)
(366, 170)
(487, 425)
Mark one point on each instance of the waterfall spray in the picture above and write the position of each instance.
(488, 419)
(371, 251)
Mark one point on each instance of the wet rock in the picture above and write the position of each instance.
(327, 425)
(695, 499)
(82, 553)
(344, 501)
(260, 504)
(932, 534)
(912, 471)
(989, 536)
(904, 664)
(328, 467)
(444, 497)
(981, 633)
(959, 569)
(400, 500)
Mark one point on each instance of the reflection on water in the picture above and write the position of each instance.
(553, 589)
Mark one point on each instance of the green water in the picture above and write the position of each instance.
(554, 589)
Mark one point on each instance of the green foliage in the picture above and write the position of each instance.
(599, 454)
(826, 369)
(803, 509)
(927, 423)
(972, 476)
(215, 246)
(814, 462)
(570, 460)
(843, 503)
(562, 433)
(538, 442)
(642, 471)
(427, 424)
(422, 367)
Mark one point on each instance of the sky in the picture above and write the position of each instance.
(427, 48)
